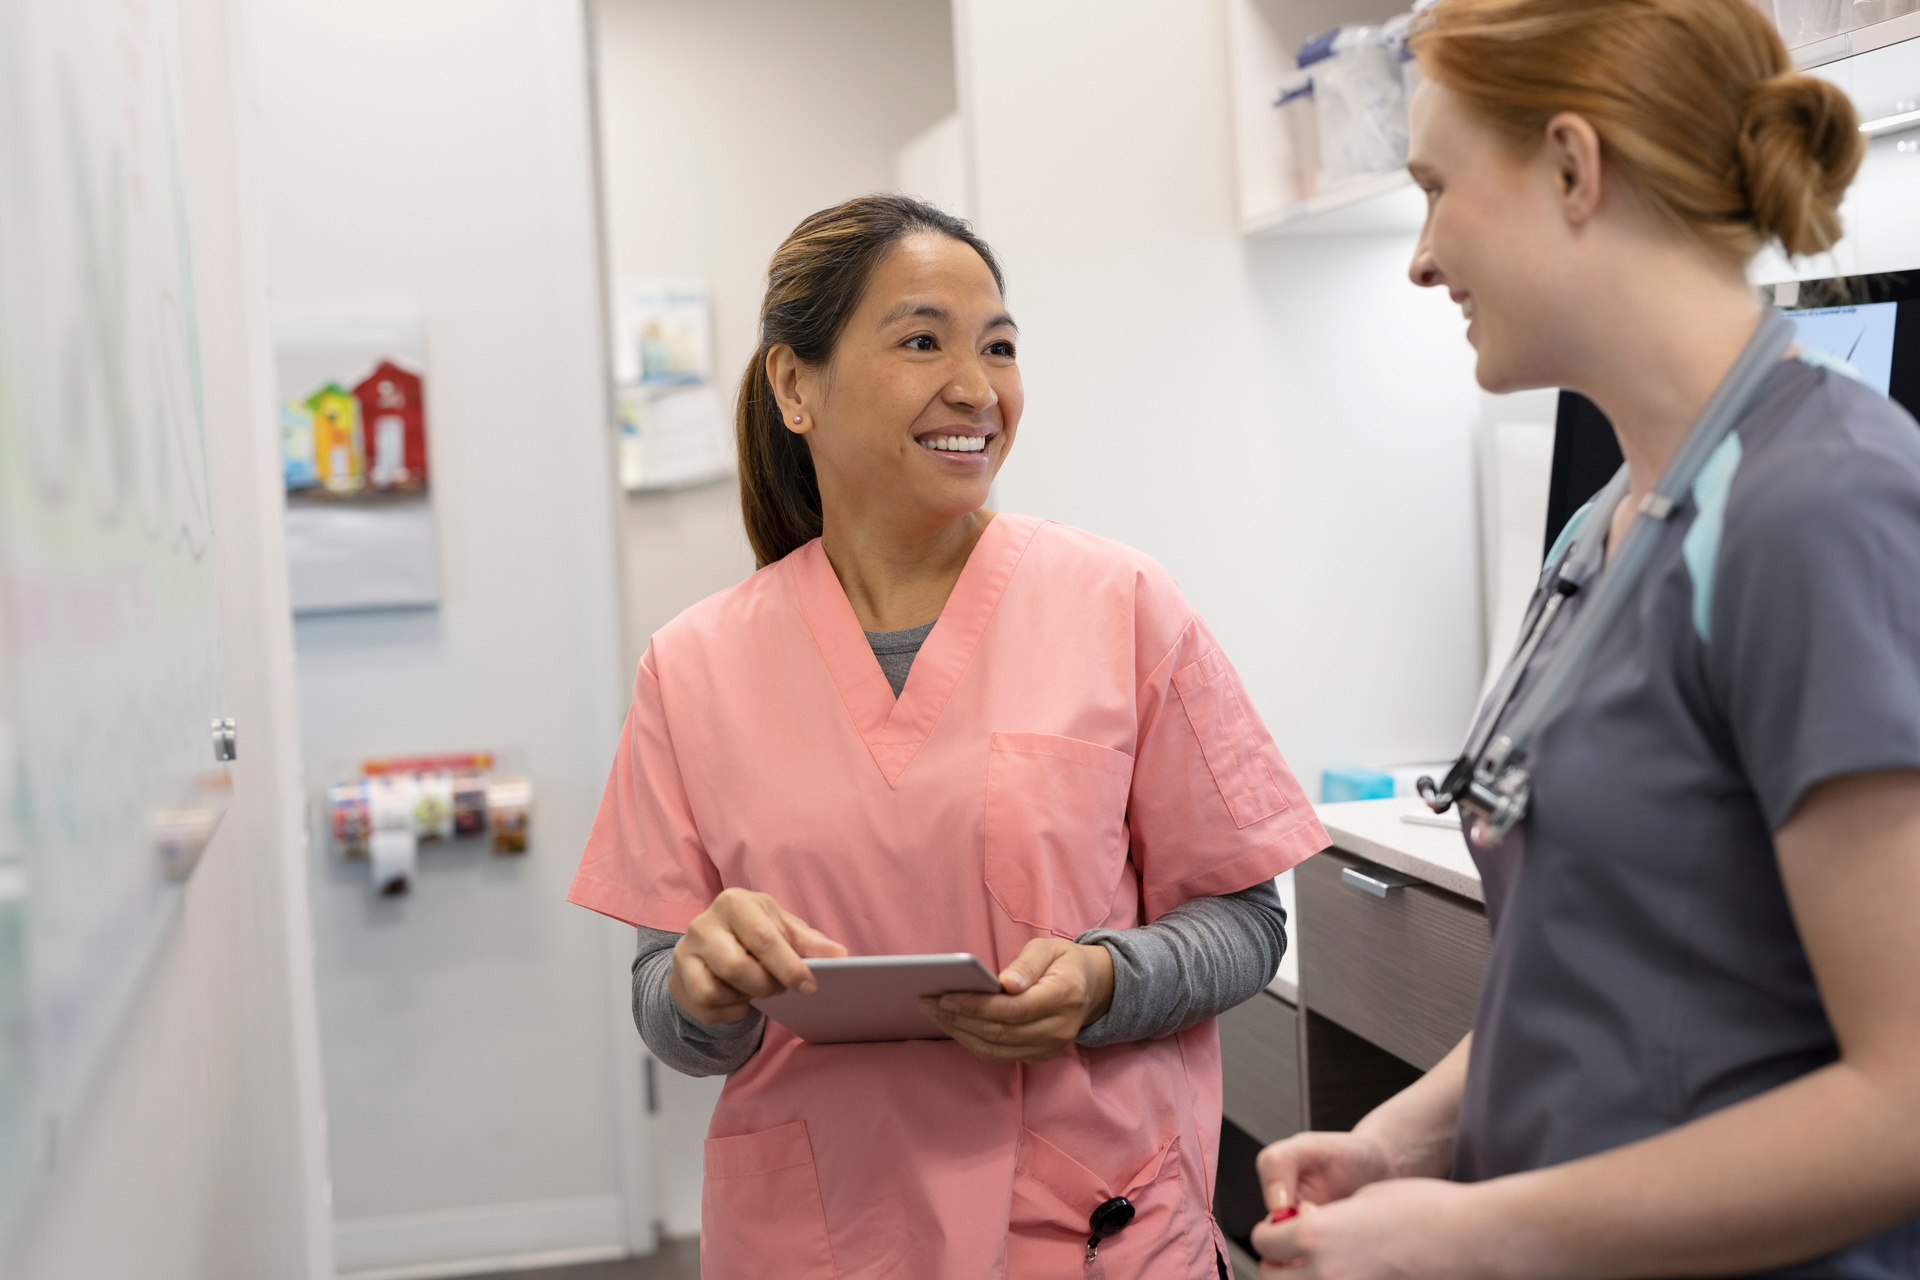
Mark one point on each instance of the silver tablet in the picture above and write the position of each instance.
(867, 998)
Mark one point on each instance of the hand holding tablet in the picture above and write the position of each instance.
(747, 951)
(1053, 989)
(744, 945)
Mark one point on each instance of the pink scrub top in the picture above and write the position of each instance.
(1072, 750)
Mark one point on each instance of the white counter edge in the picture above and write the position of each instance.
(1399, 857)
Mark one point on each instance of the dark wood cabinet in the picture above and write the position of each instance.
(1390, 973)
(1260, 1054)
(1400, 967)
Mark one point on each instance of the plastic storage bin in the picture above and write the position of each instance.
(1360, 102)
(1300, 125)
(1806, 21)
(1340, 785)
(1868, 12)
(1397, 30)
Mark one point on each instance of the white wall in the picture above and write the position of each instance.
(933, 165)
(433, 160)
(722, 124)
(1286, 424)
(203, 1156)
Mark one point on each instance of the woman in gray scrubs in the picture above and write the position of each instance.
(1698, 1047)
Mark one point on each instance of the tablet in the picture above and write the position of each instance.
(867, 998)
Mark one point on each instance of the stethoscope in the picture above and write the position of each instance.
(1491, 780)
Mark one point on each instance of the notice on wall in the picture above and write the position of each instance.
(662, 332)
(675, 428)
(673, 437)
(353, 445)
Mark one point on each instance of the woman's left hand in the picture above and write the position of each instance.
(1399, 1229)
(1053, 988)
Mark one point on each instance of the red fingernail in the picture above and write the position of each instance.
(1283, 1213)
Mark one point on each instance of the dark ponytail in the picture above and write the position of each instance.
(814, 283)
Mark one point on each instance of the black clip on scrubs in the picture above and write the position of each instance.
(1490, 779)
(1110, 1219)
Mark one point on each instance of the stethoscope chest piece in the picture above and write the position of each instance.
(1110, 1219)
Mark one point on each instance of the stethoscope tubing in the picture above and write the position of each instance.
(1486, 761)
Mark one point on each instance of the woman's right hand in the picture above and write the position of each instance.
(743, 945)
(1319, 1168)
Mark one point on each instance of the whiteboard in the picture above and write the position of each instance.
(109, 644)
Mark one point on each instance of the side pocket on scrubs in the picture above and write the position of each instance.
(760, 1208)
(1229, 738)
(1056, 820)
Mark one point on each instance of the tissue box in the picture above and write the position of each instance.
(1354, 784)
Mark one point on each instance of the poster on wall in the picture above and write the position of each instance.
(675, 429)
(353, 448)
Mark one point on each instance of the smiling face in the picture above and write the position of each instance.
(912, 416)
(1497, 237)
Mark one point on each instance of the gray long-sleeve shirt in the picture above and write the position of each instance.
(1201, 958)
(1198, 960)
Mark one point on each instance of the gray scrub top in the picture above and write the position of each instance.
(1646, 969)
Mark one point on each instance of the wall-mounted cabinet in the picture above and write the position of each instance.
(1822, 37)
(1384, 202)
(1264, 37)
(1280, 193)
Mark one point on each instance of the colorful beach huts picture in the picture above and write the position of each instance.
(395, 427)
(296, 447)
(338, 448)
(357, 437)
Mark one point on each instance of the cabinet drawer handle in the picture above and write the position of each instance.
(1378, 883)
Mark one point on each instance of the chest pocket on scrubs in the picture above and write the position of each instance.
(1056, 825)
(1229, 739)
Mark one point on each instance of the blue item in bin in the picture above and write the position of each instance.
(1302, 90)
(1318, 49)
(1354, 784)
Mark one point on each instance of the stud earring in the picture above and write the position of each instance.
(796, 419)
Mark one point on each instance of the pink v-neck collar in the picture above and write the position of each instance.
(895, 729)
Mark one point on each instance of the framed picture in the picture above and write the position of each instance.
(355, 454)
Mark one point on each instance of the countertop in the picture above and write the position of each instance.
(1375, 830)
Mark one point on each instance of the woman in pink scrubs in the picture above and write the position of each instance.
(1069, 782)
